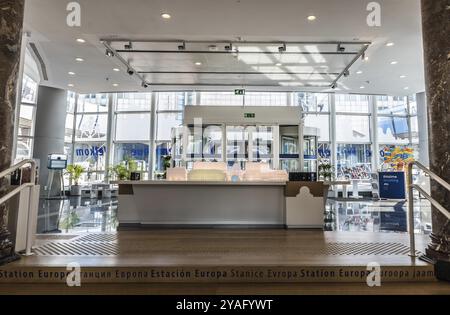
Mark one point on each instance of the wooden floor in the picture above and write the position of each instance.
(208, 247)
(227, 261)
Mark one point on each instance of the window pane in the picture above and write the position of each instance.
(91, 126)
(220, 98)
(94, 177)
(412, 104)
(414, 129)
(349, 103)
(171, 101)
(352, 128)
(92, 156)
(322, 122)
(26, 120)
(313, 102)
(24, 148)
(262, 144)
(29, 90)
(134, 101)
(392, 105)
(69, 128)
(71, 97)
(237, 143)
(162, 150)
(92, 103)
(167, 121)
(133, 127)
(134, 151)
(353, 161)
(393, 129)
(266, 99)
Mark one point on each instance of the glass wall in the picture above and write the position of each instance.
(353, 136)
(139, 127)
(90, 147)
(27, 112)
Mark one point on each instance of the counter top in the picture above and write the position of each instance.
(209, 183)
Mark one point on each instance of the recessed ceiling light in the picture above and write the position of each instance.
(406, 88)
(70, 85)
(394, 62)
(80, 40)
(311, 17)
(116, 69)
(402, 76)
(115, 84)
(79, 59)
(278, 64)
(389, 44)
(198, 63)
(359, 72)
(366, 58)
(361, 87)
(166, 16)
(71, 73)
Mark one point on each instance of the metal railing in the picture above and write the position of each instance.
(411, 187)
(17, 190)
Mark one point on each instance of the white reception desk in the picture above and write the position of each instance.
(160, 203)
(156, 203)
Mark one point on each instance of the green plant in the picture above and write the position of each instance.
(74, 172)
(132, 165)
(120, 171)
(166, 161)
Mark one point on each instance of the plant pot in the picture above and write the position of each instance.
(75, 190)
(135, 176)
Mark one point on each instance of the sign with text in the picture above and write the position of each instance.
(239, 92)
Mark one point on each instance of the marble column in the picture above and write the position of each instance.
(436, 34)
(11, 21)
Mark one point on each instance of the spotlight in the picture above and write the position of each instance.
(334, 85)
(182, 46)
(109, 53)
(346, 73)
(282, 48)
(340, 48)
(130, 71)
(129, 45)
(144, 84)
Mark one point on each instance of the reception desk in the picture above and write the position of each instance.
(160, 203)
(201, 204)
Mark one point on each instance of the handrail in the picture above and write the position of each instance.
(17, 190)
(19, 165)
(436, 204)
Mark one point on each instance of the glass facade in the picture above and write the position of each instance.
(27, 112)
(103, 130)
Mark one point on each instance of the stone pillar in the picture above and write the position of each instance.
(436, 34)
(49, 128)
(11, 19)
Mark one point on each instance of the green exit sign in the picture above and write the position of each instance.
(249, 115)
(239, 92)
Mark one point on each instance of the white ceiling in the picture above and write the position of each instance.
(229, 20)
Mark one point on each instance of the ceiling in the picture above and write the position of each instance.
(256, 28)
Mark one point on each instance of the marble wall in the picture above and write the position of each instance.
(436, 35)
(11, 21)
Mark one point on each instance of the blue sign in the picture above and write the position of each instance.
(392, 185)
(94, 151)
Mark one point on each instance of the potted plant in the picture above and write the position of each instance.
(75, 172)
(133, 170)
(120, 171)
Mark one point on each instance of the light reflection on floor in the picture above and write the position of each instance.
(376, 216)
(81, 215)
